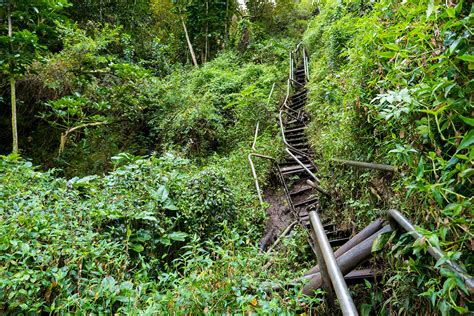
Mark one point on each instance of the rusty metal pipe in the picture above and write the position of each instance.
(367, 165)
(435, 252)
(254, 173)
(317, 187)
(337, 279)
(348, 261)
(326, 282)
(357, 239)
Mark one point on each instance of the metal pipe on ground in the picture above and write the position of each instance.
(348, 261)
(353, 277)
(357, 239)
(317, 187)
(283, 234)
(337, 279)
(435, 252)
(367, 165)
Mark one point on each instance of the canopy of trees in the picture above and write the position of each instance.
(125, 128)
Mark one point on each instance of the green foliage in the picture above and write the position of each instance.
(390, 84)
(208, 201)
(31, 28)
(123, 243)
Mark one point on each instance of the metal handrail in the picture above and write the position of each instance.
(435, 252)
(366, 165)
(329, 260)
(317, 187)
(330, 272)
(254, 172)
(280, 116)
(254, 144)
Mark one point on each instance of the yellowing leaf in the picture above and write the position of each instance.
(254, 302)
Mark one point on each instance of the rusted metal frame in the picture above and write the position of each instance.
(435, 252)
(291, 67)
(254, 172)
(348, 261)
(292, 115)
(306, 63)
(317, 187)
(366, 165)
(284, 138)
(287, 191)
(368, 231)
(332, 269)
(294, 81)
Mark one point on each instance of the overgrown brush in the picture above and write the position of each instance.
(391, 83)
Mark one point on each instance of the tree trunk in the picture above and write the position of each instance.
(224, 42)
(13, 96)
(14, 125)
(191, 50)
(206, 49)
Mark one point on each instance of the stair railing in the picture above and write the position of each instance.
(401, 221)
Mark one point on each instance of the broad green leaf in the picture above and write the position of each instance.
(454, 45)
(430, 9)
(420, 169)
(386, 54)
(469, 58)
(467, 120)
(467, 140)
(392, 46)
(137, 247)
(177, 236)
(467, 173)
(381, 241)
(169, 205)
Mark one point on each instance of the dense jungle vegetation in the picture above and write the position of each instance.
(126, 188)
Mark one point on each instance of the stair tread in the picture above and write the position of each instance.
(307, 201)
(295, 166)
(294, 144)
(302, 190)
(295, 129)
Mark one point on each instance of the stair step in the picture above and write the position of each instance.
(307, 202)
(296, 135)
(299, 157)
(295, 129)
(339, 241)
(300, 93)
(360, 276)
(295, 169)
(297, 106)
(297, 139)
(329, 227)
(334, 233)
(301, 191)
(299, 97)
(292, 162)
(292, 122)
(299, 145)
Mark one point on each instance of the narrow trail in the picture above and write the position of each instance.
(338, 254)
